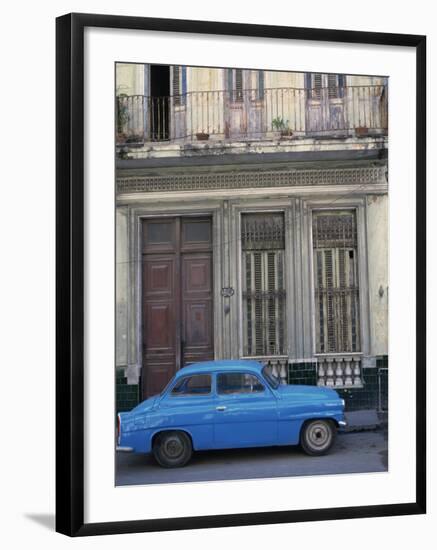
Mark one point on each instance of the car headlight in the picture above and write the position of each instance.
(343, 402)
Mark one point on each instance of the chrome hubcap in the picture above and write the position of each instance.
(318, 435)
(173, 447)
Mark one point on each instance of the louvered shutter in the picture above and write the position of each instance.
(260, 84)
(238, 85)
(176, 88)
(263, 245)
(335, 86)
(317, 86)
(336, 282)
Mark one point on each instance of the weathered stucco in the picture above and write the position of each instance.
(121, 285)
(377, 255)
(129, 78)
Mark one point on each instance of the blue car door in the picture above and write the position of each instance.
(246, 413)
(189, 406)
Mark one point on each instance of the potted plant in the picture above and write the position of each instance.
(202, 136)
(122, 117)
(281, 128)
(361, 131)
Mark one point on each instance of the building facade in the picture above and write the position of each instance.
(252, 222)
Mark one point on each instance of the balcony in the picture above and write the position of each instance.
(239, 115)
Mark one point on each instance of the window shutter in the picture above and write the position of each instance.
(263, 243)
(336, 282)
(308, 81)
(184, 82)
(176, 90)
(341, 84)
(333, 86)
(238, 85)
(260, 84)
(317, 86)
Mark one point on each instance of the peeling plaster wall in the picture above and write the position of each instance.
(129, 78)
(121, 285)
(201, 79)
(279, 79)
(377, 243)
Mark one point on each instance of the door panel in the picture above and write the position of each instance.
(197, 343)
(246, 412)
(159, 371)
(197, 307)
(177, 297)
(246, 421)
(159, 316)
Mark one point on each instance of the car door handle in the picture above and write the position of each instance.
(220, 408)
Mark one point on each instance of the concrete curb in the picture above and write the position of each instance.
(362, 420)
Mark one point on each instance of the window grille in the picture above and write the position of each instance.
(336, 282)
(263, 244)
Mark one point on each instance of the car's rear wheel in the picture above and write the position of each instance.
(318, 436)
(172, 449)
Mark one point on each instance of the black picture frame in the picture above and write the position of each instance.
(70, 273)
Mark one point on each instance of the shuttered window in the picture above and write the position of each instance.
(263, 244)
(235, 85)
(316, 85)
(336, 281)
(335, 86)
(179, 85)
(319, 83)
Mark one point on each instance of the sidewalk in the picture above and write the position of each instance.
(364, 420)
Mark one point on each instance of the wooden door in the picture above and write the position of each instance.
(244, 105)
(196, 291)
(325, 103)
(177, 297)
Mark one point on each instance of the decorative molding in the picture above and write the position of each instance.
(252, 179)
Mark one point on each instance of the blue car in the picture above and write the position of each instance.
(230, 404)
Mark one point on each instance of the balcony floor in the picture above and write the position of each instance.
(188, 148)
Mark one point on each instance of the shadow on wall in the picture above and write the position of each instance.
(46, 520)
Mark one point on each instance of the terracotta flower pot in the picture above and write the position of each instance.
(361, 131)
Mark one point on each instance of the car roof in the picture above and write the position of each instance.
(223, 365)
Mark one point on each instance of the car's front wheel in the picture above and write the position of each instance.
(318, 436)
(172, 449)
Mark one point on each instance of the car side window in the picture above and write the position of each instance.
(198, 384)
(238, 382)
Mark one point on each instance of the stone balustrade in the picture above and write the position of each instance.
(339, 372)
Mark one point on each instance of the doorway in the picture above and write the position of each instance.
(159, 102)
(325, 110)
(177, 300)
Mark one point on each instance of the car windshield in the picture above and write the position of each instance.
(271, 379)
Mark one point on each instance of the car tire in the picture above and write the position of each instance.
(172, 449)
(317, 436)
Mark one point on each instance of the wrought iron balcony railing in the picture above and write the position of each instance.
(252, 114)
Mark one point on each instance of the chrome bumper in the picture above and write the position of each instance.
(124, 449)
